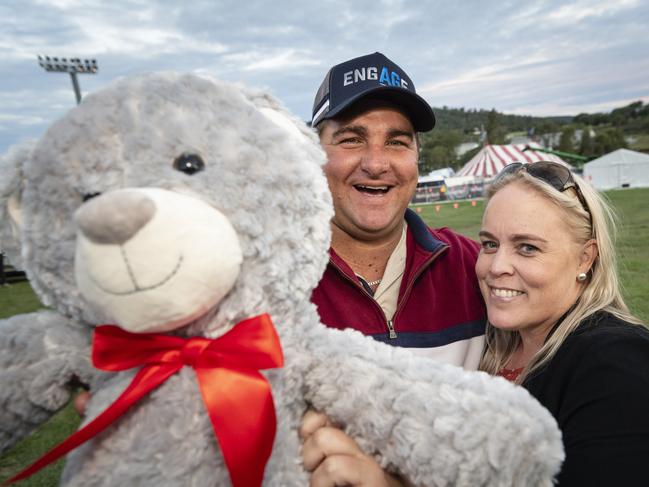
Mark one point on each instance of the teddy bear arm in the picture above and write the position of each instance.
(433, 423)
(43, 356)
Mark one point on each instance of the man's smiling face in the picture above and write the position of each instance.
(371, 169)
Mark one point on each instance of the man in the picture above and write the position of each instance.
(389, 275)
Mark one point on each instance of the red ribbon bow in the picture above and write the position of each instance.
(237, 396)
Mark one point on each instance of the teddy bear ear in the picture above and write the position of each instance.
(12, 184)
(282, 121)
(278, 114)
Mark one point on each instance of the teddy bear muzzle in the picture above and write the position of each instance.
(140, 257)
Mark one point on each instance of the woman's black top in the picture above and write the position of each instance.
(597, 388)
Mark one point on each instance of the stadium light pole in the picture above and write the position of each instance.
(71, 66)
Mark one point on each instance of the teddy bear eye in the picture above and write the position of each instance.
(89, 196)
(189, 163)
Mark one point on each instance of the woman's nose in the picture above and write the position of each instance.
(500, 263)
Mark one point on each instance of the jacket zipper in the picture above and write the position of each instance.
(412, 282)
(392, 334)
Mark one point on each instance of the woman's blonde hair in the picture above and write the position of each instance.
(601, 289)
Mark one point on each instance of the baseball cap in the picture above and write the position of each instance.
(374, 75)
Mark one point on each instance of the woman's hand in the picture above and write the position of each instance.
(334, 459)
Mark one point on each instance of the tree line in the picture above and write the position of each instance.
(589, 135)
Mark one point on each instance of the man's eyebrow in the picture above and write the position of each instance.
(400, 133)
(354, 129)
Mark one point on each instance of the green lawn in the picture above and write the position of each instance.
(17, 298)
(47, 436)
(633, 249)
(641, 143)
(464, 219)
(14, 299)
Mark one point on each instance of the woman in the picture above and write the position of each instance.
(557, 325)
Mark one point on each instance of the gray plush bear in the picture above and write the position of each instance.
(179, 206)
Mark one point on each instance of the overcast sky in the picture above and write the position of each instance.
(538, 57)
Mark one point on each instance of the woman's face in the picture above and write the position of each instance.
(528, 263)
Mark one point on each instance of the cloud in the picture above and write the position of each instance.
(579, 11)
(274, 59)
(13, 119)
(539, 57)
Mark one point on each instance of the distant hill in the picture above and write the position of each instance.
(632, 118)
(589, 135)
(468, 120)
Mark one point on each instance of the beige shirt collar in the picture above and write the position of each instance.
(387, 293)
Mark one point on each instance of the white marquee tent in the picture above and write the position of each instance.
(618, 169)
(492, 158)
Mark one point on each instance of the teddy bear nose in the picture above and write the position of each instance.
(113, 218)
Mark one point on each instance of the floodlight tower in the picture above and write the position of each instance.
(71, 66)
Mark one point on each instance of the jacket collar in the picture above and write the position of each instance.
(421, 233)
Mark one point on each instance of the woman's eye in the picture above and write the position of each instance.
(528, 249)
(489, 245)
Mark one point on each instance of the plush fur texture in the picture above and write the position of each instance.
(435, 423)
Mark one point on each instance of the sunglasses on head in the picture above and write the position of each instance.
(552, 173)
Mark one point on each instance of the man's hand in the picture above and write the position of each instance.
(334, 459)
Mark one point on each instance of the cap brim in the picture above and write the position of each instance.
(418, 110)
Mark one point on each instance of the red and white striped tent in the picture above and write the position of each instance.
(492, 158)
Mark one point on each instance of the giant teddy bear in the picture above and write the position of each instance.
(179, 206)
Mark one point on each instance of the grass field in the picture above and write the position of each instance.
(632, 206)
(641, 143)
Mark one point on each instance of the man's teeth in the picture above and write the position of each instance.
(505, 293)
(374, 189)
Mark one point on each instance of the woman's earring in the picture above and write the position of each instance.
(581, 277)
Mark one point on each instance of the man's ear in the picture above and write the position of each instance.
(588, 255)
(12, 184)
